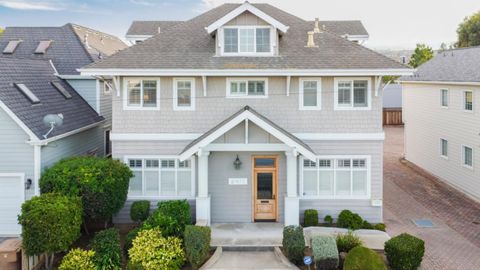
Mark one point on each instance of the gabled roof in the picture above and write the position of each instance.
(249, 114)
(72, 46)
(240, 10)
(37, 76)
(149, 28)
(460, 65)
(342, 28)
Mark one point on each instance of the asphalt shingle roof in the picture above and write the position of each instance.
(37, 75)
(352, 28)
(187, 45)
(460, 65)
(68, 50)
(149, 28)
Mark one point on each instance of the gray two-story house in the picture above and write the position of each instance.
(251, 114)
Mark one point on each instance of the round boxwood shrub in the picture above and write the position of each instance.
(102, 183)
(152, 251)
(328, 220)
(380, 227)
(346, 242)
(197, 244)
(50, 223)
(405, 252)
(171, 217)
(347, 219)
(310, 218)
(293, 243)
(362, 258)
(108, 255)
(325, 252)
(140, 211)
(78, 259)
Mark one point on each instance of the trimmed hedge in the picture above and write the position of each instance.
(325, 253)
(140, 211)
(293, 243)
(380, 227)
(108, 254)
(405, 252)
(171, 217)
(328, 220)
(346, 242)
(310, 218)
(362, 258)
(197, 244)
(78, 259)
(349, 220)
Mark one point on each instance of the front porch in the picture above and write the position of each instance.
(262, 234)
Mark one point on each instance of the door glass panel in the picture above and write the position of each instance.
(264, 162)
(264, 186)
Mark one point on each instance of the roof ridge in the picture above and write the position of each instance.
(94, 30)
(70, 26)
(459, 49)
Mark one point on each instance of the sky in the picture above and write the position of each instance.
(398, 24)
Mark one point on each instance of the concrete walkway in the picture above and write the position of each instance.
(247, 234)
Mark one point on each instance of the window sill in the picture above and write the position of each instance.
(468, 111)
(467, 167)
(352, 108)
(246, 97)
(306, 108)
(444, 157)
(141, 108)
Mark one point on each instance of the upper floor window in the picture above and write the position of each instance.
(352, 93)
(310, 94)
(444, 98)
(142, 94)
(468, 101)
(247, 40)
(444, 148)
(251, 88)
(467, 153)
(184, 94)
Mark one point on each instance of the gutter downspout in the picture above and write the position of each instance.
(37, 161)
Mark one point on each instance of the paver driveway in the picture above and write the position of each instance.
(409, 193)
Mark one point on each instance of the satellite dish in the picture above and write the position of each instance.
(52, 121)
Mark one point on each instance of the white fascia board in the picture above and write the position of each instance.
(441, 82)
(75, 77)
(245, 72)
(241, 9)
(138, 36)
(64, 135)
(357, 37)
(19, 122)
(341, 136)
(154, 137)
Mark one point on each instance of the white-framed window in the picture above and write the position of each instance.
(468, 101)
(184, 94)
(247, 40)
(336, 177)
(141, 94)
(247, 87)
(310, 94)
(444, 148)
(444, 100)
(161, 177)
(467, 156)
(352, 93)
(107, 143)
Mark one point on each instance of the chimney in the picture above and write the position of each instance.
(158, 30)
(311, 41)
(317, 26)
(85, 40)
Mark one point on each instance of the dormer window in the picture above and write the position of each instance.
(247, 40)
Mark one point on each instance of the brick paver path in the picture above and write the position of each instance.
(410, 193)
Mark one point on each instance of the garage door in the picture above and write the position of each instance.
(12, 195)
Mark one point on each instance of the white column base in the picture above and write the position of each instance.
(292, 211)
(202, 206)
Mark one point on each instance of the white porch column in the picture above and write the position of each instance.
(202, 204)
(292, 202)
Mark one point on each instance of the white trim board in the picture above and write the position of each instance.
(441, 82)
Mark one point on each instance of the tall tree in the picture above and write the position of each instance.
(469, 31)
(1, 31)
(422, 54)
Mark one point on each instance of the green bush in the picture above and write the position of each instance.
(134, 266)
(328, 220)
(349, 220)
(171, 217)
(362, 258)
(140, 211)
(346, 242)
(293, 243)
(78, 259)
(108, 255)
(380, 227)
(310, 218)
(404, 252)
(50, 223)
(152, 251)
(129, 239)
(367, 225)
(197, 244)
(167, 224)
(102, 183)
(325, 253)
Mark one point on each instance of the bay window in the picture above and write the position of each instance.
(247, 40)
(142, 94)
(352, 93)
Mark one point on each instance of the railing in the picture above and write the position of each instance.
(392, 116)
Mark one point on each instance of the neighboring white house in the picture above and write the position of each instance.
(441, 106)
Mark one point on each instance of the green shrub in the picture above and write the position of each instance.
(197, 244)
(140, 211)
(346, 242)
(293, 243)
(129, 239)
(404, 252)
(367, 225)
(362, 258)
(349, 220)
(328, 220)
(78, 259)
(108, 255)
(325, 253)
(134, 266)
(310, 218)
(50, 223)
(171, 217)
(168, 225)
(380, 227)
(102, 183)
(152, 251)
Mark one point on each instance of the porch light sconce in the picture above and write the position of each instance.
(28, 184)
(237, 163)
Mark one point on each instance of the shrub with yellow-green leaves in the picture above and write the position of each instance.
(78, 259)
(153, 251)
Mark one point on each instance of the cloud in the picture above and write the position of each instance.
(147, 3)
(32, 5)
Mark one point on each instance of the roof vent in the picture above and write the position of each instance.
(317, 26)
(11, 46)
(27, 93)
(159, 30)
(43, 46)
(61, 89)
(311, 40)
(85, 40)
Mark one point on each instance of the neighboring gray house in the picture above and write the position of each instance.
(251, 114)
(39, 77)
(392, 96)
(441, 106)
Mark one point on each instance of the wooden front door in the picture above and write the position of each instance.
(265, 182)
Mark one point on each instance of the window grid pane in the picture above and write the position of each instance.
(230, 40)
(360, 94)
(134, 93)
(263, 40)
(445, 98)
(344, 93)
(149, 93)
(310, 93)
(468, 156)
(247, 40)
(444, 146)
(184, 93)
(469, 101)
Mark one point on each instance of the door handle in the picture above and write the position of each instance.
(264, 201)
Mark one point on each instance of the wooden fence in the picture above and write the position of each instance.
(392, 116)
